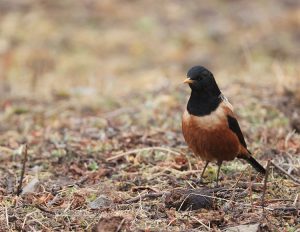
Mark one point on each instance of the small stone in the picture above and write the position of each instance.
(101, 202)
(243, 228)
(32, 186)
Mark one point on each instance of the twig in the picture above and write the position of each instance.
(296, 200)
(25, 154)
(265, 187)
(189, 183)
(44, 209)
(120, 225)
(188, 172)
(229, 205)
(93, 220)
(285, 173)
(39, 222)
(69, 206)
(173, 220)
(251, 189)
(288, 208)
(288, 137)
(25, 219)
(145, 195)
(135, 189)
(278, 200)
(201, 223)
(141, 150)
(235, 185)
(6, 217)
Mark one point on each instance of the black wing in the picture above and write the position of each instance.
(234, 126)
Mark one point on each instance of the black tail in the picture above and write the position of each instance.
(257, 166)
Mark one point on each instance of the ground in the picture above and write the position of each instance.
(94, 89)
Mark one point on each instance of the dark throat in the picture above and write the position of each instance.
(202, 103)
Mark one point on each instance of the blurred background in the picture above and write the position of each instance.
(111, 48)
(82, 82)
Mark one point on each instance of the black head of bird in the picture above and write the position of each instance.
(205, 96)
(201, 80)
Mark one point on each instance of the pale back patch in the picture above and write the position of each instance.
(226, 102)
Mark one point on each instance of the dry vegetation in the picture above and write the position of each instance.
(94, 90)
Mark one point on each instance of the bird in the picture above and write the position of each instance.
(209, 125)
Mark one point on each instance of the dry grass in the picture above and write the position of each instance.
(90, 86)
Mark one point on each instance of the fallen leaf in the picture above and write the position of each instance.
(109, 224)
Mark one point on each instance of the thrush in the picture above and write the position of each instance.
(209, 125)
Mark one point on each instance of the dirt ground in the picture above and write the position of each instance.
(92, 94)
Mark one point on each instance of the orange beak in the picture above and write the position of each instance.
(188, 81)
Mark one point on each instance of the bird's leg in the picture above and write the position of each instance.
(218, 172)
(205, 166)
